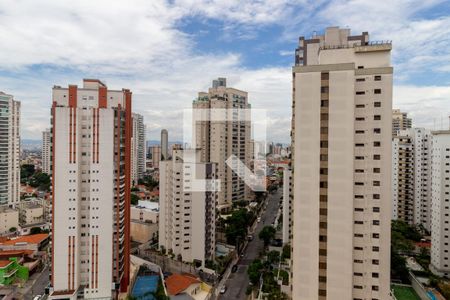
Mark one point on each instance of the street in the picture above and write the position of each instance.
(237, 282)
(39, 282)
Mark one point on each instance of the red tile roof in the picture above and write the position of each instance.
(30, 239)
(15, 253)
(4, 263)
(177, 283)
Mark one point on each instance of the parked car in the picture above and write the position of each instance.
(223, 289)
(234, 268)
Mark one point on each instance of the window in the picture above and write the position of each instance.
(323, 157)
(376, 183)
(360, 106)
(324, 103)
(323, 130)
(376, 170)
(359, 131)
(360, 93)
(376, 196)
(375, 262)
(376, 144)
(324, 76)
(376, 222)
(377, 130)
(376, 157)
(375, 235)
(377, 91)
(360, 119)
(376, 209)
(377, 104)
(376, 249)
(377, 117)
(323, 144)
(324, 89)
(377, 78)
(360, 79)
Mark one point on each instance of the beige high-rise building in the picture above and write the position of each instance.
(9, 150)
(138, 149)
(218, 140)
(164, 144)
(411, 176)
(46, 151)
(186, 215)
(400, 121)
(156, 156)
(440, 222)
(341, 147)
(91, 153)
(403, 177)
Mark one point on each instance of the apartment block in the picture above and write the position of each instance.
(46, 151)
(287, 203)
(403, 178)
(225, 136)
(440, 197)
(138, 155)
(9, 150)
(400, 121)
(164, 144)
(9, 219)
(91, 167)
(341, 167)
(186, 213)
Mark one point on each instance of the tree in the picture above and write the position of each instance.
(41, 181)
(13, 229)
(254, 271)
(26, 171)
(286, 254)
(35, 230)
(273, 257)
(267, 234)
(398, 267)
(237, 224)
(134, 199)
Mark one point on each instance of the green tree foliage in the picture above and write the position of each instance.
(444, 288)
(286, 254)
(273, 257)
(398, 267)
(134, 199)
(26, 171)
(149, 182)
(13, 229)
(267, 234)
(35, 230)
(254, 271)
(41, 181)
(237, 224)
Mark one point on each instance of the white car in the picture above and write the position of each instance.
(223, 289)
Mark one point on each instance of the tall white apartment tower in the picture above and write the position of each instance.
(138, 154)
(341, 140)
(187, 215)
(218, 139)
(91, 167)
(46, 151)
(400, 121)
(440, 197)
(164, 144)
(9, 150)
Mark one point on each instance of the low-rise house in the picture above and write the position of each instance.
(186, 286)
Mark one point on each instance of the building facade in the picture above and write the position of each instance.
(440, 197)
(187, 215)
(287, 202)
(156, 156)
(221, 138)
(341, 168)
(138, 155)
(91, 167)
(9, 150)
(46, 151)
(164, 144)
(400, 121)
(9, 220)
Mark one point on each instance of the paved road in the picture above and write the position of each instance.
(41, 281)
(238, 282)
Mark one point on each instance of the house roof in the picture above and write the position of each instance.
(15, 253)
(177, 283)
(4, 263)
(29, 239)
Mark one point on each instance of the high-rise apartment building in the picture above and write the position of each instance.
(164, 144)
(440, 197)
(411, 176)
(187, 214)
(287, 203)
(341, 167)
(403, 177)
(46, 154)
(400, 121)
(156, 156)
(9, 150)
(225, 136)
(91, 167)
(138, 149)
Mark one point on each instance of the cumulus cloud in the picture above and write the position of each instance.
(141, 47)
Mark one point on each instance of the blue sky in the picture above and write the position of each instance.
(167, 51)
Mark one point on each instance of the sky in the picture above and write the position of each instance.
(166, 51)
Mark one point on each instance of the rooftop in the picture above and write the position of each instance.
(177, 283)
(4, 263)
(29, 239)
